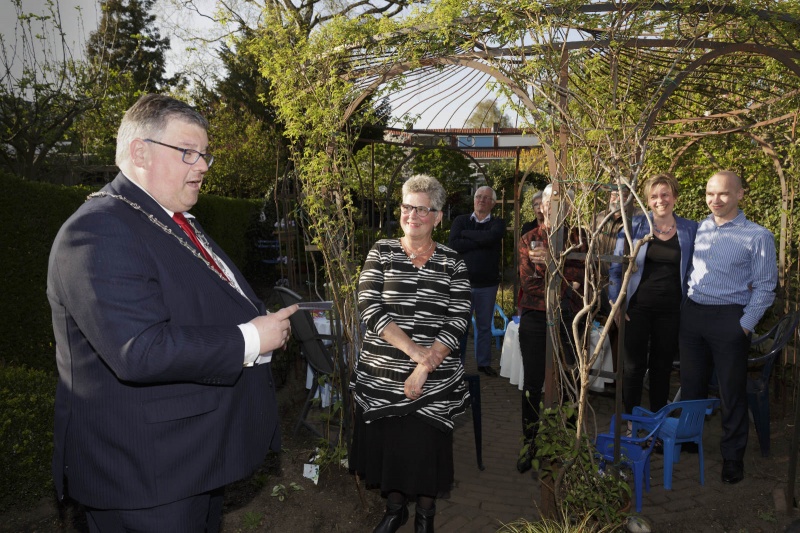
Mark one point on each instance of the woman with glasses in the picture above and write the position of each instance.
(414, 296)
(536, 204)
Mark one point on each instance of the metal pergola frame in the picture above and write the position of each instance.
(699, 64)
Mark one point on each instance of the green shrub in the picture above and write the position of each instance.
(27, 399)
(506, 299)
(227, 221)
(31, 214)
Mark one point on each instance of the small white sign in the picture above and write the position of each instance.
(311, 471)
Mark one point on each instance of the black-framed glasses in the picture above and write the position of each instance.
(422, 211)
(190, 157)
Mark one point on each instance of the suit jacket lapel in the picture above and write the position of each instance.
(248, 291)
(124, 187)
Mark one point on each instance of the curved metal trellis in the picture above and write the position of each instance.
(685, 74)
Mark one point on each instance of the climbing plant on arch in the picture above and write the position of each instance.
(602, 86)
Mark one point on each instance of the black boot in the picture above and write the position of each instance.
(396, 515)
(423, 522)
(530, 422)
(526, 456)
(530, 412)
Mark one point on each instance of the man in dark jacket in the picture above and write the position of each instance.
(165, 391)
(478, 238)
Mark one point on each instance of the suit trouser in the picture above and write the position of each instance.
(483, 300)
(196, 514)
(711, 338)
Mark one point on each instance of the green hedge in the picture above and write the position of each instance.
(31, 214)
(229, 222)
(27, 399)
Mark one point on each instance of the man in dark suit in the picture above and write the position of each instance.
(165, 393)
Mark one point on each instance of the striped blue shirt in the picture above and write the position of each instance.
(734, 264)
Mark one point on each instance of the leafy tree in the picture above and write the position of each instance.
(130, 52)
(486, 114)
(128, 41)
(231, 17)
(452, 170)
(94, 132)
(500, 176)
(245, 135)
(248, 154)
(43, 90)
(242, 86)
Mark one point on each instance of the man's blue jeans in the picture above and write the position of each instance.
(483, 300)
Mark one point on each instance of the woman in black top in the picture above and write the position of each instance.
(656, 291)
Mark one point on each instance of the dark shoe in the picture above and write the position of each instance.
(690, 447)
(489, 371)
(396, 515)
(524, 462)
(423, 521)
(525, 456)
(732, 471)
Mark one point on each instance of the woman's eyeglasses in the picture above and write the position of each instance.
(422, 211)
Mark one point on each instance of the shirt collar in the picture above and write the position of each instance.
(739, 220)
(475, 218)
(170, 213)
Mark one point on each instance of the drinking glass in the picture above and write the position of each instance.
(537, 247)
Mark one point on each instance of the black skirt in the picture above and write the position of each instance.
(403, 453)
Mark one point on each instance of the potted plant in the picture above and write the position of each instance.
(568, 468)
(550, 525)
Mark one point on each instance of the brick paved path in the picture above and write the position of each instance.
(483, 500)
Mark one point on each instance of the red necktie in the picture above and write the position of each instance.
(180, 219)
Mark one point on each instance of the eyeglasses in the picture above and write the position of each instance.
(190, 157)
(422, 211)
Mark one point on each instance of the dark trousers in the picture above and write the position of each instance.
(712, 338)
(483, 301)
(533, 345)
(196, 514)
(651, 343)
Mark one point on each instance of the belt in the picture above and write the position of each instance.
(713, 306)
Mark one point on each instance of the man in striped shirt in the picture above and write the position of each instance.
(730, 287)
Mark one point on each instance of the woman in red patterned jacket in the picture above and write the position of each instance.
(533, 258)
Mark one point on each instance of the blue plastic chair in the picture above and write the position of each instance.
(674, 431)
(634, 453)
(497, 333)
(759, 371)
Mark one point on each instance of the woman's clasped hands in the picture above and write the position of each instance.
(427, 360)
